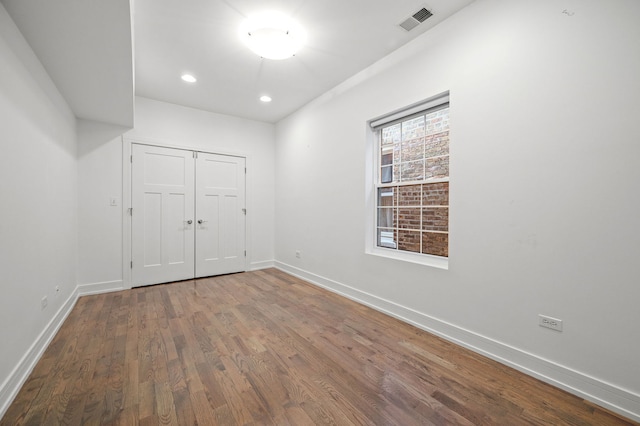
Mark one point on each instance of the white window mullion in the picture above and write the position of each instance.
(434, 117)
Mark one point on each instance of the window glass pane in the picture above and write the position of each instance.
(386, 174)
(397, 153)
(396, 195)
(435, 194)
(435, 243)
(409, 218)
(387, 238)
(414, 217)
(436, 144)
(391, 134)
(409, 240)
(437, 121)
(437, 167)
(435, 219)
(386, 218)
(386, 197)
(396, 173)
(386, 157)
(412, 171)
(412, 129)
(410, 195)
(412, 150)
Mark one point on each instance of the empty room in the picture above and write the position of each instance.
(291, 212)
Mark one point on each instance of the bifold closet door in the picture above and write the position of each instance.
(220, 214)
(163, 202)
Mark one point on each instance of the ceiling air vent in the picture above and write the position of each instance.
(416, 19)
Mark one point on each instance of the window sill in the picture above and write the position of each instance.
(421, 259)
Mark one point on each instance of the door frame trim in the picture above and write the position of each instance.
(127, 150)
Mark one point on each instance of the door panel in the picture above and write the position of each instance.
(163, 197)
(230, 229)
(178, 238)
(220, 227)
(209, 210)
(152, 213)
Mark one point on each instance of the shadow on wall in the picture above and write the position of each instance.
(94, 134)
(27, 88)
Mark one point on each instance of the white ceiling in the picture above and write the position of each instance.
(201, 37)
(86, 47)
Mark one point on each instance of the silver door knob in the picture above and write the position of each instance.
(189, 222)
(200, 221)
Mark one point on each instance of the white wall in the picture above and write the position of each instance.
(544, 180)
(100, 178)
(87, 50)
(100, 223)
(544, 204)
(38, 219)
(193, 128)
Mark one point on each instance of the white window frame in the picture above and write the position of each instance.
(372, 170)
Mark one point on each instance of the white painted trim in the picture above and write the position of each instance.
(602, 393)
(614, 398)
(405, 256)
(99, 288)
(248, 205)
(255, 266)
(372, 183)
(423, 107)
(166, 143)
(126, 217)
(416, 182)
(11, 386)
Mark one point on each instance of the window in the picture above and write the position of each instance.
(411, 180)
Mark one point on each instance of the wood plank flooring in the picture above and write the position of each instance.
(265, 348)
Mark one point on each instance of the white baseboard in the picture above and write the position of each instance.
(11, 386)
(261, 265)
(99, 288)
(606, 395)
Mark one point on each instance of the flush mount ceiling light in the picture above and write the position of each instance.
(265, 98)
(188, 78)
(272, 35)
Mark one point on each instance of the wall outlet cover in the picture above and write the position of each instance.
(549, 322)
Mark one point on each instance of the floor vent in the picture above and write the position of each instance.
(416, 19)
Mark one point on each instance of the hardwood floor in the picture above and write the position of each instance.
(267, 348)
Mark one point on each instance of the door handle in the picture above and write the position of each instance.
(200, 221)
(189, 222)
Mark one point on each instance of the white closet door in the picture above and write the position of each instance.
(163, 215)
(220, 214)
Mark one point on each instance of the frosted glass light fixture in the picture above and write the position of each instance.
(265, 98)
(188, 78)
(272, 35)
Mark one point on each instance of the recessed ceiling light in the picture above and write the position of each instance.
(265, 98)
(272, 35)
(188, 78)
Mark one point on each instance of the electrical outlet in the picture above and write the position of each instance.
(548, 322)
(298, 254)
(44, 302)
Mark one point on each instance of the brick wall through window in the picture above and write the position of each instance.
(413, 185)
